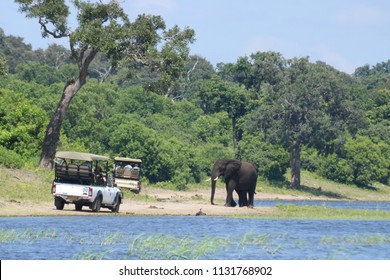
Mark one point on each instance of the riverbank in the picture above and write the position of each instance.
(27, 193)
(159, 202)
(151, 201)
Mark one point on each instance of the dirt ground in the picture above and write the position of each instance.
(163, 203)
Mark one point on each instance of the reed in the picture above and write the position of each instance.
(92, 255)
(27, 235)
(323, 212)
(171, 247)
(364, 240)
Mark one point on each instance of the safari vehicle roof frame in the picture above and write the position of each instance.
(128, 159)
(81, 156)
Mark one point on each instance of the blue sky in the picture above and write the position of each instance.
(343, 33)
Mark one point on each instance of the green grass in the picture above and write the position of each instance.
(28, 235)
(169, 247)
(315, 186)
(24, 184)
(321, 212)
(364, 240)
(34, 184)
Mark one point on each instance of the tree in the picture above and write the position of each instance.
(310, 108)
(105, 28)
(216, 96)
(3, 66)
(16, 51)
(255, 71)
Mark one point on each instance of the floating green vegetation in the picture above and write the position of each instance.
(372, 239)
(27, 235)
(323, 212)
(92, 255)
(171, 247)
(268, 243)
(251, 245)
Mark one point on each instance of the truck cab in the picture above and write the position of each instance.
(127, 173)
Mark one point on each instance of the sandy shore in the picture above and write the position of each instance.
(163, 203)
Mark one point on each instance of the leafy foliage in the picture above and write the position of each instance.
(147, 98)
(21, 124)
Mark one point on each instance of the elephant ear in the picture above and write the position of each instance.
(232, 168)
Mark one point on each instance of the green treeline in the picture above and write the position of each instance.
(282, 114)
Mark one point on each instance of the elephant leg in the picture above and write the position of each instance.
(229, 195)
(251, 195)
(243, 198)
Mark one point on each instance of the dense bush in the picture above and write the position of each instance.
(22, 124)
(336, 169)
(10, 159)
(362, 163)
(369, 162)
(179, 137)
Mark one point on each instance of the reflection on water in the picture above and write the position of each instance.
(191, 238)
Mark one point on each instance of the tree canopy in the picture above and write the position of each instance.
(146, 97)
(105, 28)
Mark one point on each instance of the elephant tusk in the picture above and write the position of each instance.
(216, 178)
(209, 179)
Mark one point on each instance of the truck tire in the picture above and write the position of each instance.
(78, 206)
(59, 203)
(115, 209)
(97, 204)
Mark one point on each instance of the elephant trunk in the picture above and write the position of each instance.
(213, 183)
(214, 178)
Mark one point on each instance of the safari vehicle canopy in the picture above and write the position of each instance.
(127, 173)
(81, 168)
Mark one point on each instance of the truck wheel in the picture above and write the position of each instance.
(78, 206)
(115, 209)
(59, 203)
(97, 204)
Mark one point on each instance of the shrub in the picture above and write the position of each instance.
(336, 169)
(363, 163)
(367, 160)
(10, 158)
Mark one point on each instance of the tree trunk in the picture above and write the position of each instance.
(295, 164)
(235, 134)
(53, 129)
(52, 135)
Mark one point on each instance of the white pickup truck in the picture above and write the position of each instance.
(83, 179)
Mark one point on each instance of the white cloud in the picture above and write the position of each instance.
(363, 14)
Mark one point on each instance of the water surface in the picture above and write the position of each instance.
(119, 237)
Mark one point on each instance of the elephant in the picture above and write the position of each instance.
(240, 176)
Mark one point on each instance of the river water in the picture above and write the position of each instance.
(202, 237)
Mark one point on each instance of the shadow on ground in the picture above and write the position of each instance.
(311, 190)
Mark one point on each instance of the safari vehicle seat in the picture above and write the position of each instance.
(119, 171)
(72, 170)
(126, 173)
(134, 174)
